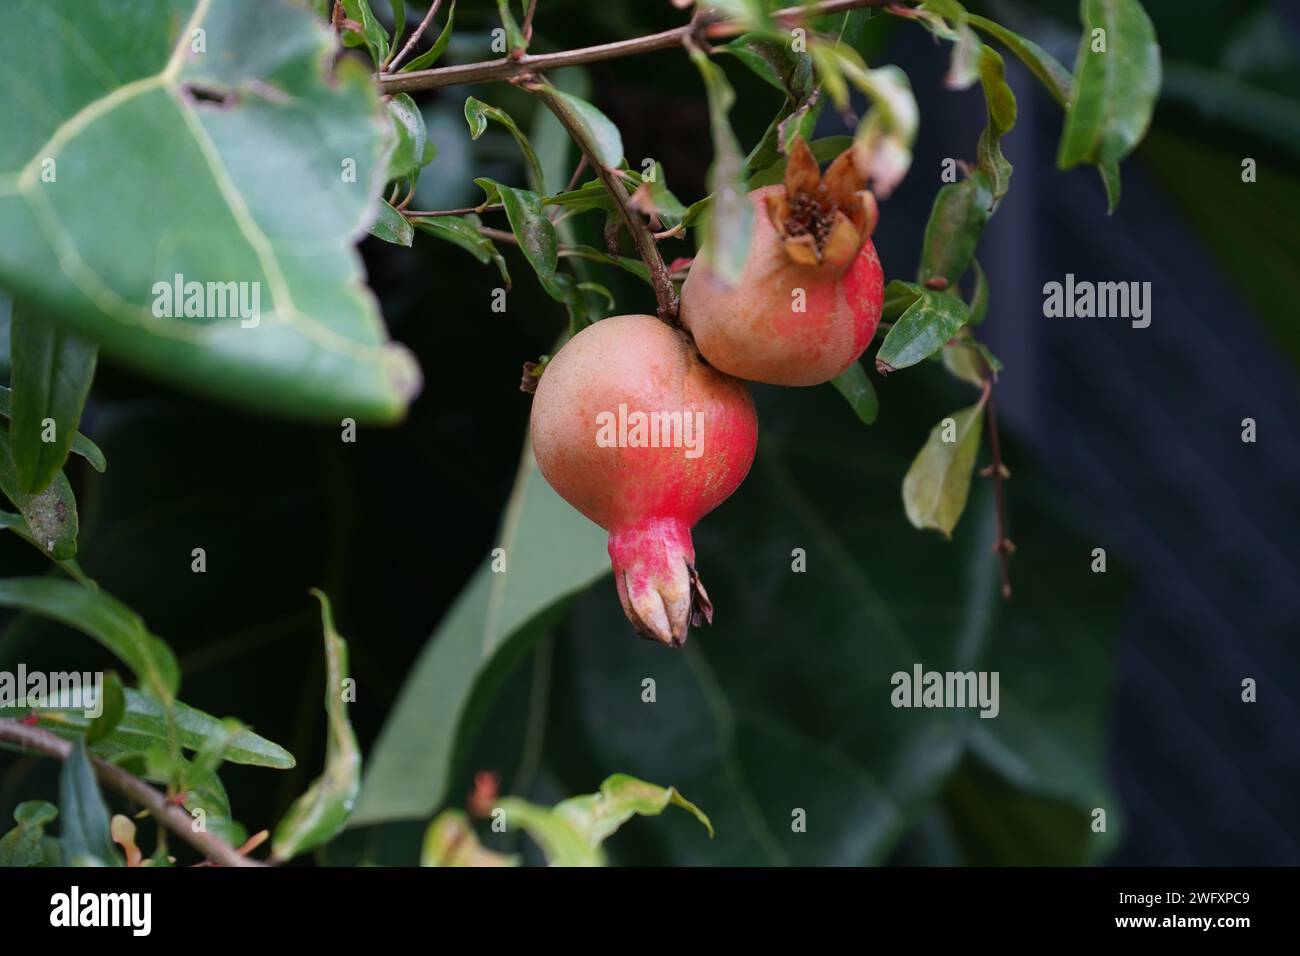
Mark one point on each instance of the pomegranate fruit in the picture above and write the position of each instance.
(809, 300)
(635, 430)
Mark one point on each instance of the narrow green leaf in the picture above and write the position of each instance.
(26, 844)
(1118, 73)
(112, 709)
(51, 516)
(85, 839)
(938, 483)
(899, 296)
(477, 114)
(372, 34)
(964, 68)
(597, 816)
(399, 18)
(957, 220)
(727, 228)
(979, 300)
(81, 445)
(516, 42)
(773, 59)
(52, 369)
(635, 266)
(464, 233)
(1055, 77)
(857, 389)
(391, 226)
(104, 618)
(319, 814)
(431, 55)
(1000, 104)
(601, 131)
(885, 135)
(924, 328)
(144, 725)
(537, 241)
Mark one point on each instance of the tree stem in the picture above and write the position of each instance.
(1003, 546)
(173, 817)
(509, 69)
(638, 228)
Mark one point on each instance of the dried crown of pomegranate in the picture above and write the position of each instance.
(822, 220)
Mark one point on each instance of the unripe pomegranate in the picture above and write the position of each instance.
(636, 431)
(809, 300)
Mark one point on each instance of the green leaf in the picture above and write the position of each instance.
(451, 841)
(464, 233)
(373, 34)
(26, 844)
(634, 266)
(51, 516)
(1000, 104)
(964, 361)
(1055, 77)
(84, 840)
(726, 229)
(938, 483)
(431, 55)
(279, 158)
(392, 226)
(886, 133)
(51, 376)
(751, 14)
(477, 114)
(773, 59)
(979, 300)
(112, 710)
(1118, 71)
(957, 220)
(537, 241)
(964, 68)
(515, 40)
(399, 18)
(667, 207)
(319, 814)
(144, 725)
(600, 130)
(102, 617)
(81, 445)
(410, 137)
(924, 329)
(857, 389)
(899, 296)
(552, 554)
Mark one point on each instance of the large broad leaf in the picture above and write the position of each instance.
(937, 485)
(1118, 73)
(126, 124)
(781, 712)
(548, 552)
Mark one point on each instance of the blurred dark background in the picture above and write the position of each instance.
(1140, 429)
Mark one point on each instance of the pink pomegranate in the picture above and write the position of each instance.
(636, 431)
(809, 300)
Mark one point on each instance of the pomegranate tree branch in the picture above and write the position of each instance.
(173, 817)
(391, 65)
(1002, 546)
(637, 228)
(707, 26)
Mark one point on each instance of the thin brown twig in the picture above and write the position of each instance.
(507, 68)
(1002, 546)
(665, 293)
(394, 62)
(171, 816)
(527, 27)
(463, 211)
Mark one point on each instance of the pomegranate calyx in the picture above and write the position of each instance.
(822, 219)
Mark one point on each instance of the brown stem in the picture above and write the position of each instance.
(527, 26)
(172, 817)
(395, 61)
(464, 211)
(1003, 545)
(665, 294)
(509, 69)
